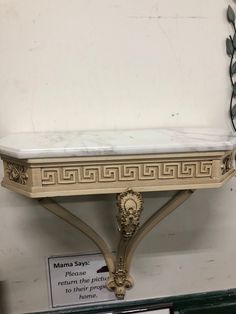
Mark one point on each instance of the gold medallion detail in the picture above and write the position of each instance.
(130, 205)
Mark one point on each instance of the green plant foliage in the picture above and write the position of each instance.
(231, 49)
(234, 89)
(233, 68)
(234, 111)
(230, 15)
(234, 41)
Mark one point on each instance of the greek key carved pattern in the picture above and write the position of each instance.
(126, 172)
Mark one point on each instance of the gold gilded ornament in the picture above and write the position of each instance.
(130, 205)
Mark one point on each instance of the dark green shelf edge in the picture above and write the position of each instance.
(185, 304)
(212, 309)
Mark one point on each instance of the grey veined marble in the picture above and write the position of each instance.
(119, 142)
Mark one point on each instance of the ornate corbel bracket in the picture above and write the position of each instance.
(130, 206)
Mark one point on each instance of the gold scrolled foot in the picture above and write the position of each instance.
(120, 281)
(119, 290)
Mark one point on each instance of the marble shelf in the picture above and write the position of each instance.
(126, 162)
(119, 142)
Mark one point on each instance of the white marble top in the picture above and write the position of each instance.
(119, 142)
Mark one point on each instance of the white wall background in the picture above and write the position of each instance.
(110, 64)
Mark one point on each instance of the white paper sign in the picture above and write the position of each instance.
(78, 279)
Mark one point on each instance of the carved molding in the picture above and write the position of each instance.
(50, 177)
(17, 173)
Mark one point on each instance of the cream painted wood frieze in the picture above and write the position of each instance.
(93, 175)
(125, 162)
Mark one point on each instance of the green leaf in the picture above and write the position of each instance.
(229, 47)
(234, 41)
(234, 89)
(233, 68)
(230, 15)
(234, 111)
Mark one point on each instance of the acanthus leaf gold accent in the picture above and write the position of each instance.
(227, 164)
(17, 173)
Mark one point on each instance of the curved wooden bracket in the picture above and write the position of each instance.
(177, 200)
(76, 222)
(130, 206)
